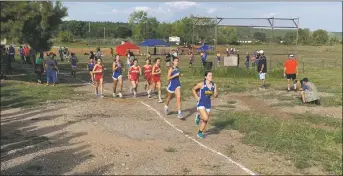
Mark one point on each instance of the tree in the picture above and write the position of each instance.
(261, 36)
(304, 36)
(32, 22)
(334, 40)
(320, 36)
(290, 37)
(123, 32)
(227, 35)
(65, 37)
(137, 24)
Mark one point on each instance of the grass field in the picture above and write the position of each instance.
(307, 139)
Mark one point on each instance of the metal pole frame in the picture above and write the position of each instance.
(271, 25)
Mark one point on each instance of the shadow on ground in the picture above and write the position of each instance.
(29, 150)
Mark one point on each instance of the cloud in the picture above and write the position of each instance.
(211, 10)
(142, 8)
(181, 5)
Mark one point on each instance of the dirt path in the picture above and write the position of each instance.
(123, 136)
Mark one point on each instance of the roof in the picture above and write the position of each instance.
(128, 45)
(154, 42)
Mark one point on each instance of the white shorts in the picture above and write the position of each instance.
(262, 76)
(203, 107)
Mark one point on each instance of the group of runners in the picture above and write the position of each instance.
(203, 91)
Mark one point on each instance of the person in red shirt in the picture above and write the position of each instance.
(291, 71)
(156, 78)
(27, 54)
(147, 75)
(98, 78)
(133, 75)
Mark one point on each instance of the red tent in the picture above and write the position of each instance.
(122, 49)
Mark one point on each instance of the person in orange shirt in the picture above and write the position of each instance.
(291, 71)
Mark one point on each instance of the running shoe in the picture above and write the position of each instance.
(197, 119)
(165, 109)
(114, 95)
(120, 95)
(200, 135)
(160, 101)
(180, 116)
(149, 95)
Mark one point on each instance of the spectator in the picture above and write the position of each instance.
(51, 69)
(168, 59)
(112, 52)
(60, 52)
(11, 52)
(21, 53)
(39, 68)
(27, 54)
(98, 54)
(262, 68)
(291, 71)
(247, 60)
(309, 93)
(3, 62)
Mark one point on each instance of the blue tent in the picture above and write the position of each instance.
(205, 48)
(154, 42)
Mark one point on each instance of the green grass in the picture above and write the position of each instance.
(23, 91)
(306, 145)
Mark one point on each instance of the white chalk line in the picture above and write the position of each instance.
(199, 143)
(191, 138)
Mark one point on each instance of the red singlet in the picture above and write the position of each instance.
(134, 73)
(156, 78)
(147, 72)
(98, 76)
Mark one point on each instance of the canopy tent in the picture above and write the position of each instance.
(205, 48)
(122, 49)
(153, 42)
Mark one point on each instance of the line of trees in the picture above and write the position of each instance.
(140, 27)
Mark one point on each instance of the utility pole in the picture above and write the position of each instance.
(89, 26)
(104, 34)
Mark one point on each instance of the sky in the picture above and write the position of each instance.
(312, 15)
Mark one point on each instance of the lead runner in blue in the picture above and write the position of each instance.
(174, 87)
(207, 89)
(117, 68)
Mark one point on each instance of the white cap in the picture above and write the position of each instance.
(291, 55)
(261, 51)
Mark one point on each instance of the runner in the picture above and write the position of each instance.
(218, 58)
(147, 75)
(98, 78)
(117, 68)
(90, 67)
(156, 78)
(133, 75)
(73, 62)
(207, 88)
(174, 87)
